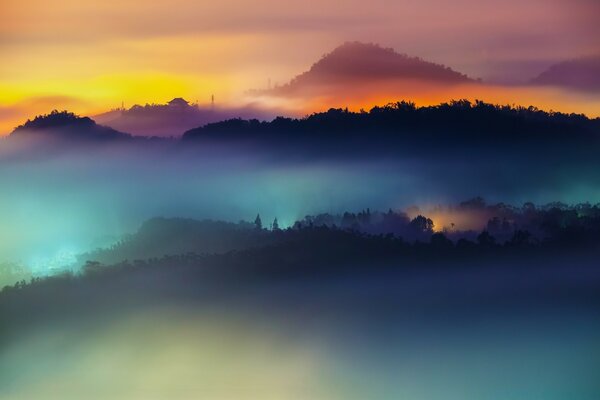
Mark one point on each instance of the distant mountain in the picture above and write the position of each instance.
(359, 62)
(63, 125)
(582, 74)
(171, 119)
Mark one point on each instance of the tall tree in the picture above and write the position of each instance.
(258, 222)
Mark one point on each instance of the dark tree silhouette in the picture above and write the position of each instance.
(403, 126)
(485, 239)
(422, 224)
(67, 125)
(440, 241)
(258, 222)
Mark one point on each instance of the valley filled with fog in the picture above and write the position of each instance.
(59, 205)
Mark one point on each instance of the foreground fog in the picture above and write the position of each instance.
(494, 332)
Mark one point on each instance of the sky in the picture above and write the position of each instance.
(89, 56)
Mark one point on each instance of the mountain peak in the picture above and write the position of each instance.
(581, 73)
(66, 125)
(55, 119)
(359, 62)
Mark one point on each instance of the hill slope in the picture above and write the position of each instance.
(359, 62)
(582, 74)
(63, 125)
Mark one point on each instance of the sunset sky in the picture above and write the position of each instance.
(88, 56)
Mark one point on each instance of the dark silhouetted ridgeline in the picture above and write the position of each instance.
(67, 125)
(63, 132)
(171, 236)
(529, 226)
(453, 125)
(314, 251)
(242, 260)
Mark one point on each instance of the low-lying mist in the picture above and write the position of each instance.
(522, 329)
(69, 200)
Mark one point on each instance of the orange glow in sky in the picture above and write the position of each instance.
(89, 56)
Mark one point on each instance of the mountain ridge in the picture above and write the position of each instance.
(581, 73)
(66, 125)
(354, 61)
